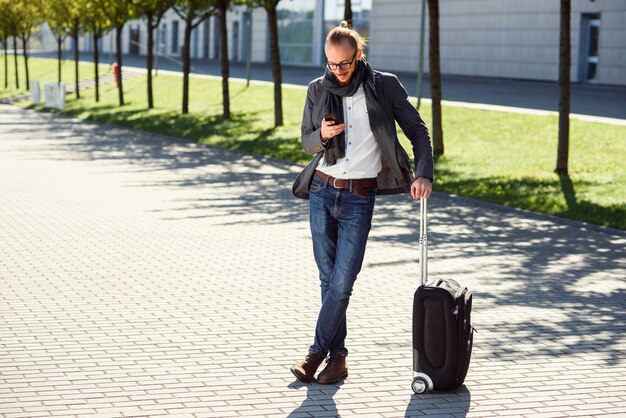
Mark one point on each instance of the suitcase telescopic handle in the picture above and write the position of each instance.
(423, 242)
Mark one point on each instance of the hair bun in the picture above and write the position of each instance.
(345, 32)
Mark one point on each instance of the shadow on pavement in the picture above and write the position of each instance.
(450, 404)
(545, 263)
(319, 399)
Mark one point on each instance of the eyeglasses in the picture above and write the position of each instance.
(343, 65)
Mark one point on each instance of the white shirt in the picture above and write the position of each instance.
(363, 156)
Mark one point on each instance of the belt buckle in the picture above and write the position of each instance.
(335, 183)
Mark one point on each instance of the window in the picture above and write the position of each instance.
(162, 39)
(175, 37)
(295, 31)
(589, 47)
(361, 12)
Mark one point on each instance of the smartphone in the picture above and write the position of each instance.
(331, 116)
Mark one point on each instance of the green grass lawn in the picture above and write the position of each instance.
(43, 70)
(494, 156)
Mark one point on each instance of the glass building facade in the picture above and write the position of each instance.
(303, 25)
(295, 31)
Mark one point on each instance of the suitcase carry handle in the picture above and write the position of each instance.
(423, 242)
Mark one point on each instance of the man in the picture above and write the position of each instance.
(350, 115)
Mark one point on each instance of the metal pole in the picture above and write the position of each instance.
(158, 49)
(249, 48)
(420, 70)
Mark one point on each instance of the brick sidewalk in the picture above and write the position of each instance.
(143, 275)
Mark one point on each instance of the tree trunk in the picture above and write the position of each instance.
(25, 53)
(435, 76)
(347, 11)
(186, 61)
(17, 77)
(59, 57)
(223, 5)
(96, 58)
(76, 57)
(118, 55)
(276, 69)
(150, 57)
(564, 88)
(6, 63)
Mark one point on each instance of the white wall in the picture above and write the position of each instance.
(260, 33)
(492, 38)
(496, 38)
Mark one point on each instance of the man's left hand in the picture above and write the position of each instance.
(421, 187)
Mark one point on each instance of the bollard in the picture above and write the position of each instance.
(61, 96)
(55, 95)
(35, 94)
(51, 93)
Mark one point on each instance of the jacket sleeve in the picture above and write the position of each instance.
(311, 139)
(414, 128)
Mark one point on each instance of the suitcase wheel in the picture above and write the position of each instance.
(421, 384)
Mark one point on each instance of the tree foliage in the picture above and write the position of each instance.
(4, 36)
(75, 24)
(7, 30)
(118, 12)
(28, 19)
(96, 23)
(57, 15)
(28, 16)
(18, 19)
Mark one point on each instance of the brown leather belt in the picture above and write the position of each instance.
(357, 185)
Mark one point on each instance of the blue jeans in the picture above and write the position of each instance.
(340, 223)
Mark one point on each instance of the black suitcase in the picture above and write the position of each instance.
(443, 334)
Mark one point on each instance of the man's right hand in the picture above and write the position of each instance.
(421, 187)
(329, 129)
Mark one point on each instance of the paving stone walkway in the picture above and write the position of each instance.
(143, 275)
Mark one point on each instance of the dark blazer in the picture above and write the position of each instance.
(396, 175)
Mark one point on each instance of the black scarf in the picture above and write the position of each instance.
(333, 93)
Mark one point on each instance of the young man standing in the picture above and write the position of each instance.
(350, 115)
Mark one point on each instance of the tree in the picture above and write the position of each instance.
(28, 17)
(193, 12)
(17, 76)
(9, 11)
(222, 7)
(153, 11)
(95, 22)
(565, 60)
(56, 14)
(118, 12)
(5, 32)
(270, 7)
(435, 76)
(4, 38)
(74, 26)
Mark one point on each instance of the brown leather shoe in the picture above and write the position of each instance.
(334, 371)
(305, 370)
